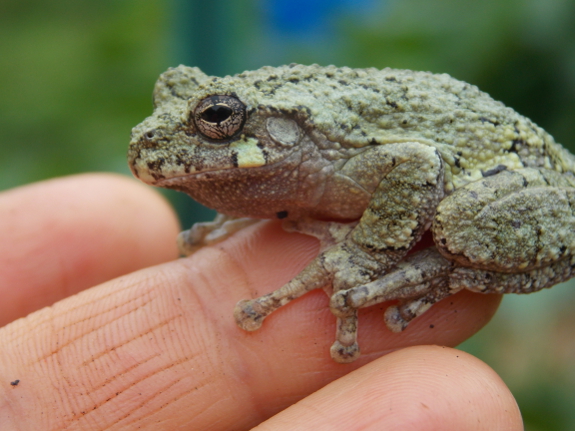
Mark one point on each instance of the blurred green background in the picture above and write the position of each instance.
(76, 75)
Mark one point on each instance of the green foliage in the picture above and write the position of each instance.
(76, 76)
(521, 52)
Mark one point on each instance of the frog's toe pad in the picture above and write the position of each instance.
(394, 320)
(339, 304)
(186, 244)
(344, 354)
(246, 317)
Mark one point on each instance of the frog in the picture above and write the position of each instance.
(367, 161)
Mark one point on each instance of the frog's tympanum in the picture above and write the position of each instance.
(367, 161)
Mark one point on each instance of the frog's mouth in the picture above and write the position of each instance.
(229, 174)
(213, 175)
(165, 167)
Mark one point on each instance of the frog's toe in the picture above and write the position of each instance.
(187, 244)
(339, 304)
(344, 354)
(247, 317)
(394, 320)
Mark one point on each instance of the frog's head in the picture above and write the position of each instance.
(228, 143)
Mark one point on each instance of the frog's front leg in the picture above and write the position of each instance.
(408, 187)
(209, 233)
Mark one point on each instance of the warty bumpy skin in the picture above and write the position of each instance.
(366, 160)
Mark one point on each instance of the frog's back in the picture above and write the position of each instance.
(359, 107)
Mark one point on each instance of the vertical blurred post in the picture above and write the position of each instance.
(202, 37)
(202, 33)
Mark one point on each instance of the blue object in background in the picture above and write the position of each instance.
(227, 36)
(309, 31)
(302, 18)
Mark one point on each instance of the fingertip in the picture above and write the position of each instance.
(66, 234)
(145, 223)
(417, 388)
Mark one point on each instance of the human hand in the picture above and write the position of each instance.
(158, 349)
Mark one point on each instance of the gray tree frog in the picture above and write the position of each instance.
(366, 160)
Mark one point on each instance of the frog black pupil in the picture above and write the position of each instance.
(216, 114)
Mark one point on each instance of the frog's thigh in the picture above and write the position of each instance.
(484, 281)
(510, 225)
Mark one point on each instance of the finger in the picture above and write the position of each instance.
(67, 234)
(159, 349)
(418, 388)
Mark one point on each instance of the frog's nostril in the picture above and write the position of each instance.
(150, 134)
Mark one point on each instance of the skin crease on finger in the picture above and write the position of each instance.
(158, 349)
(54, 232)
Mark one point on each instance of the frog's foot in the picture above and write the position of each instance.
(209, 233)
(345, 349)
(418, 282)
(457, 278)
(250, 314)
(343, 265)
(344, 354)
(397, 317)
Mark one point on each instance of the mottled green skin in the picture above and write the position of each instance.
(361, 107)
(368, 160)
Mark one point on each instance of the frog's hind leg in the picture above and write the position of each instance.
(457, 278)
(484, 281)
(510, 222)
(397, 317)
(418, 282)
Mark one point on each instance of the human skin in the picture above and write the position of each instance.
(154, 345)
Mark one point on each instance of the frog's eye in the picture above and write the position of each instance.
(219, 117)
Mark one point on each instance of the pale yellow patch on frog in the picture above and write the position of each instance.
(249, 154)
